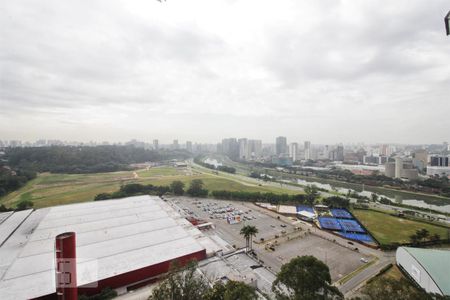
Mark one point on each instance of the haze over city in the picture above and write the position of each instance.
(225, 150)
(326, 71)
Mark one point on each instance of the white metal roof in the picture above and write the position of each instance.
(113, 237)
(11, 222)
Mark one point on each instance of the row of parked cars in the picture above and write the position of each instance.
(217, 211)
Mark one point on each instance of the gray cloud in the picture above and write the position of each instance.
(326, 71)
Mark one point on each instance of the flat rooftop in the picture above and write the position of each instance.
(113, 237)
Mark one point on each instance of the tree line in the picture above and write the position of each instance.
(84, 159)
(13, 179)
(196, 189)
(437, 184)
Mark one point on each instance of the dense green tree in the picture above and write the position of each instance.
(385, 288)
(258, 196)
(232, 290)
(13, 179)
(102, 196)
(413, 239)
(374, 197)
(336, 201)
(305, 278)
(182, 283)
(435, 237)
(423, 234)
(312, 193)
(134, 189)
(177, 187)
(196, 189)
(25, 204)
(248, 232)
(83, 159)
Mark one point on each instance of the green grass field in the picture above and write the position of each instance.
(389, 229)
(56, 189)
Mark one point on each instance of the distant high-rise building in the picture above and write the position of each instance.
(41, 142)
(155, 144)
(326, 152)
(307, 150)
(219, 148)
(230, 148)
(281, 145)
(384, 149)
(255, 148)
(398, 167)
(244, 151)
(439, 161)
(420, 159)
(175, 145)
(340, 153)
(189, 146)
(293, 151)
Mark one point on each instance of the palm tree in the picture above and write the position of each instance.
(248, 232)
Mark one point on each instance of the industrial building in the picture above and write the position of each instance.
(120, 243)
(429, 268)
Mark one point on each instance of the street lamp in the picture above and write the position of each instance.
(447, 23)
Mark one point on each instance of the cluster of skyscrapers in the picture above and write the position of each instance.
(242, 149)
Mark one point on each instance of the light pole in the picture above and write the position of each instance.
(447, 23)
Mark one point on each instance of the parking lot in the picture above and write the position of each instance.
(217, 211)
(340, 260)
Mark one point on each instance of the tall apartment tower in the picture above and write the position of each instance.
(255, 148)
(281, 145)
(155, 144)
(175, 144)
(293, 151)
(398, 167)
(340, 153)
(189, 146)
(244, 149)
(230, 147)
(308, 150)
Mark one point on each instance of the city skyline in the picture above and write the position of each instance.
(117, 71)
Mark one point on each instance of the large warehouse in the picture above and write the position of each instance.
(428, 267)
(120, 243)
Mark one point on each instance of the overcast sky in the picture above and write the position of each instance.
(326, 71)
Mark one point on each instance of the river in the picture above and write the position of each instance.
(401, 197)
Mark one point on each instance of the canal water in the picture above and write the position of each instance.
(400, 197)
